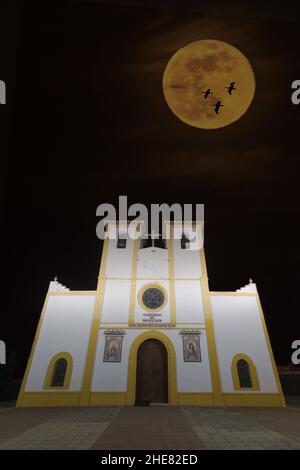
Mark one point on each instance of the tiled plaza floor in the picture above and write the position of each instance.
(154, 427)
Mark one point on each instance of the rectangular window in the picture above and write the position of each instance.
(121, 243)
(153, 243)
(185, 242)
(146, 243)
(160, 243)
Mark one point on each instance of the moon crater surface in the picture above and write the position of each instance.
(208, 65)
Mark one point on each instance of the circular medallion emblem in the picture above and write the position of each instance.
(153, 298)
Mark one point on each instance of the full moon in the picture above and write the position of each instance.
(204, 73)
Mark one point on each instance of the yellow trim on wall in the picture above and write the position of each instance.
(133, 280)
(252, 399)
(230, 294)
(94, 332)
(47, 399)
(108, 399)
(195, 398)
(50, 371)
(132, 366)
(275, 371)
(210, 334)
(178, 323)
(21, 398)
(154, 324)
(150, 285)
(120, 399)
(73, 292)
(171, 276)
(156, 278)
(252, 371)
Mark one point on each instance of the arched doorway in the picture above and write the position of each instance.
(152, 373)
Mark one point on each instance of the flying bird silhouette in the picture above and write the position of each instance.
(217, 106)
(230, 88)
(206, 93)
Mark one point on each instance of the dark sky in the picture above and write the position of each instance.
(90, 123)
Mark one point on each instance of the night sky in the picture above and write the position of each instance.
(90, 123)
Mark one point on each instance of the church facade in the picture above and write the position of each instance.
(152, 332)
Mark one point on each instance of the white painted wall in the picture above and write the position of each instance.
(153, 263)
(112, 377)
(188, 301)
(238, 329)
(187, 261)
(191, 376)
(119, 260)
(116, 301)
(66, 327)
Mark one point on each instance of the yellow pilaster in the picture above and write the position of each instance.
(94, 332)
(133, 281)
(171, 276)
(210, 334)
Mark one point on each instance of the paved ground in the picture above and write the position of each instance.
(155, 427)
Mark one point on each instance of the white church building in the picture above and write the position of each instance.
(152, 332)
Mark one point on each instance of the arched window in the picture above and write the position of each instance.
(244, 374)
(59, 373)
(243, 371)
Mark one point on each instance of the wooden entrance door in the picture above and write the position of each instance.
(152, 373)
